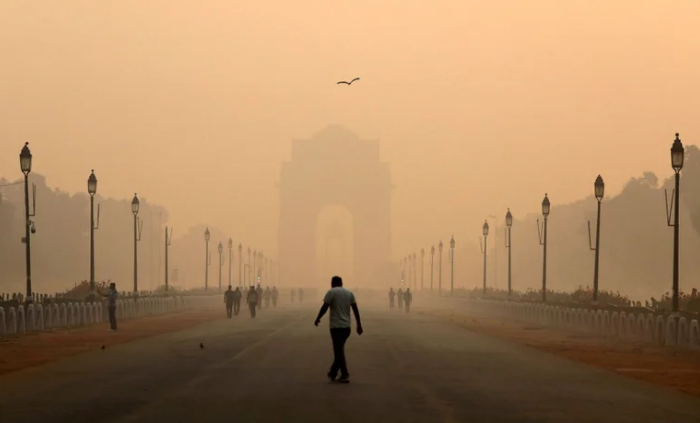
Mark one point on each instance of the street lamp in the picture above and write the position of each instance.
(599, 191)
(168, 241)
(207, 259)
(249, 269)
(422, 259)
(452, 263)
(230, 259)
(543, 241)
(92, 190)
(432, 260)
(138, 226)
(485, 231)
(221, 262)
(25, 164)
(677, 157)
(509, 224)
(240, 263)
(255, 262)
(440, 268)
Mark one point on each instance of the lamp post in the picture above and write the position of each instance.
(599, 191)
(138, 226)
(452, 265)
(255, 262)
(422, 259)
(25, 164)
(543, 241)
(92, 190)
(250, 268)
(509, 224)
(230, 259)
(240, 264)
(168, 241)
(415, 276)
(432, 261)
(485, 231)
(440, 268)
(207, 259)
(221, 261)
(677, 158)
(495, 251)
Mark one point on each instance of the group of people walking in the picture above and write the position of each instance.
(256, 297)
(404, 298)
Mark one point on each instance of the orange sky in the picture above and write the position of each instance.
(479, 105)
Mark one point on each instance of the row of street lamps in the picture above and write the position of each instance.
(677, 159)
(408, 265)
(259, 263)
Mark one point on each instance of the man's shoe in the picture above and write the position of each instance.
(344, 379)
(331, 377)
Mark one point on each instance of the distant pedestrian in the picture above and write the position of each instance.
(268, 297)
(237, 295)
(399, 297)
(252, 300)
(340, 301)
(275, 295)
(111, 305)
(392, 295)
(259, 290)
(408, 298)
(228, 300)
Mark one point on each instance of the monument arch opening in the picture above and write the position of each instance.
(334, 168)
(334, 244)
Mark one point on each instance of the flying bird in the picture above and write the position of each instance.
(103, 347)
(201, 345)
(348, 83)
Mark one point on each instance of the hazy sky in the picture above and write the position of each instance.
(479, 105)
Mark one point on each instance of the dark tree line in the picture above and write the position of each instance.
(636, 243)
(60, 247)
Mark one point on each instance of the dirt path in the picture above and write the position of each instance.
(670, 367)
(38, 348)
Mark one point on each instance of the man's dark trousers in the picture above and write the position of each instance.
(339, 336)
(112, 317)
(236, 307)
(229, 309)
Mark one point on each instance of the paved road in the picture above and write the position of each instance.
(405, 368)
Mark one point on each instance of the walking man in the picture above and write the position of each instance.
(111, 306)
(228, 299)
(237, 295)
(252, 300)
(275, 295)
(407, 298)
(392, 294)
(259, 291)
(340, 301)
(399, 296)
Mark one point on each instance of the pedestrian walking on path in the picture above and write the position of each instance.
(339, 300)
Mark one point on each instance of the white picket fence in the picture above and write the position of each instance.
(640, 327)
(36, 318)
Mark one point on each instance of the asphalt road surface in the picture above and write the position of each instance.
(405, 368)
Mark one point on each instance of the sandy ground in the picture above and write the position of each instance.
(671, 367)
(38, 348)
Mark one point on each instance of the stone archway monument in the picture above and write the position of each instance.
(335, 167)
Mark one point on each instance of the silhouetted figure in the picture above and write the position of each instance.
(237, 295)
(111, 305)
(399, 296)
(340, 301)
(268, 297)
(259, 290)
(294, 294)
(301, 295)
(408, 298)
(252, 300)
(275, 295)
(228, 300)
(392, 295)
